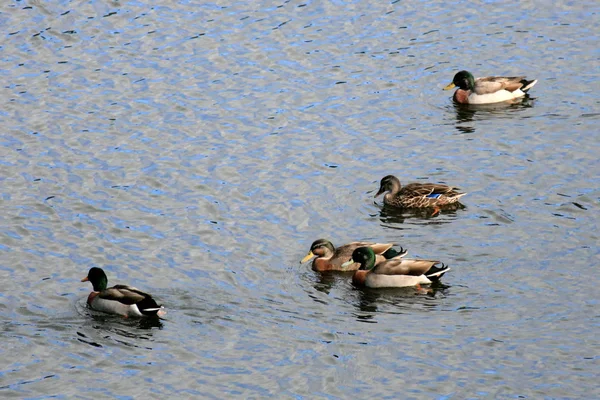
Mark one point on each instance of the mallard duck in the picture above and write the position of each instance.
(417, 195)
(396, 272)
(120, 299)
(329, 258)
(488, 90)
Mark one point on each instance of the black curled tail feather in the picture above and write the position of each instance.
(436, 272)
(391, 253)
(148, 306)
(527, 84)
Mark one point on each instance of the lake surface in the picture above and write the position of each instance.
(197, 150)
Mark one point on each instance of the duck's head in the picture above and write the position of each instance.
(320, 248)
(388, 184)
(463, 80)
(365, 256)
(98, 279)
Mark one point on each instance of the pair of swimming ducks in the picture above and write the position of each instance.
(375, 264)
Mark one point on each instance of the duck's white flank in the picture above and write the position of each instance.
(500, 95)
(383, 281)
(114, 307)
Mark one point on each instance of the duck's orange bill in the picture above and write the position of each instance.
(307, 257)
(85, 279)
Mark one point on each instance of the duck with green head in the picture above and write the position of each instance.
(396, 272)
(120, 299)
(417, 195)
(488, 90)
(330, 258)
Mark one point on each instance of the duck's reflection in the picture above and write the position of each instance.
(466, 113)
(367, 304)
(133, 332)
(394, 215)
(403, 300)
(324, 281)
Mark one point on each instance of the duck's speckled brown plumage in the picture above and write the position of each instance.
(330, 258)
(417, 195)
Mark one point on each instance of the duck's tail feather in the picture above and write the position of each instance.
(158, 311)
(391, 253)
(527, 85)
(149, 307)
(436, 272)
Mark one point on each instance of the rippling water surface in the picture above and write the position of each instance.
(197, 150)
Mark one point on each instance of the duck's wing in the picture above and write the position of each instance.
(346, 250)
(123, 294)
(427, 190)
(492, 84)
(380, 248)
(404, 266)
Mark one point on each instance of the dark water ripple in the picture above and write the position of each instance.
(196, 150)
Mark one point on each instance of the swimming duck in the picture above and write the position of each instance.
(396, 272)
(329, 258)
(417, 195)
(488, 90)
(120, 299)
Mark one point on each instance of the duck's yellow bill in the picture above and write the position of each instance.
(85, 279)
(307, 257)
(450, 86)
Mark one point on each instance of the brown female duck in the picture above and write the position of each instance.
(329, 258)
(417, 195)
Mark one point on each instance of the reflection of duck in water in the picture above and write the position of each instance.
(120, 299)
(367, 304)
(323, 283)
(467, 113)
(396, 272)
(488, 90)
(417, 195)
(330, 258)
(395, 215)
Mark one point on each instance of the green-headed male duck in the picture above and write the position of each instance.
(396, 272)
(120, 299)
(488, 90)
